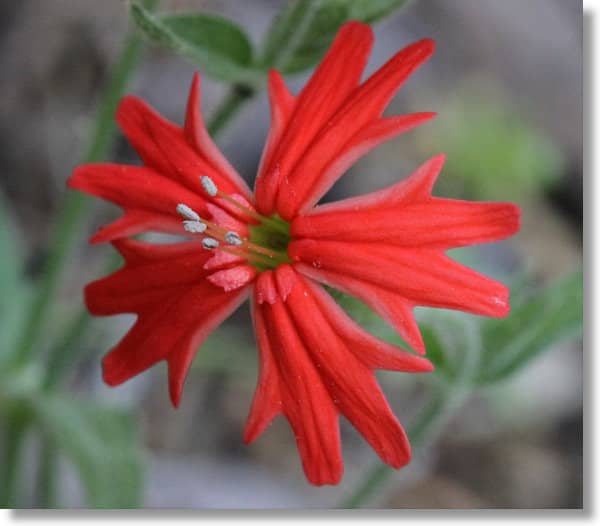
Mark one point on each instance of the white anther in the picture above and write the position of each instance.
(186, 212)
(209, 185)
(209, 243)
(194, 227)
(233, 238)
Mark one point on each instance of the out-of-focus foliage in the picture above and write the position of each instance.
(537, 322)
(493, 151)
(101, 443)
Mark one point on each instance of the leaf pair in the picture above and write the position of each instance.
(296, 40)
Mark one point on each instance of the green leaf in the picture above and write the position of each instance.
(536, 324)
(301, 33)
(102, 444)
(218, 46)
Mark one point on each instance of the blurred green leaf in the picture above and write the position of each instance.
(536, 324)
(216, 44)
(493, 151)
(102, 444)
(302, 31)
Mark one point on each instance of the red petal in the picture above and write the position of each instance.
(435, 223)
(282, 106)
(149, 198)
(392, 307)
(267, 402)
(406, 214)
(233, 278)
(336, 77)
(422, 276)
(343, 141)
(313, 420)
(197, 135)
(177, 308)
(375, 353)
(165, 147)
(415, 188)
(315, 362)
(350, 383)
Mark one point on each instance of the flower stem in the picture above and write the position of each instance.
(68, 221)
(237, 96)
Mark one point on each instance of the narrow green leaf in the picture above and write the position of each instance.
(301, 33)
(218, 46)
(102, 444)
(536, 324)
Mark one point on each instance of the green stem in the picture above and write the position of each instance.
(237, 96)
(68, 223)
(9, 473)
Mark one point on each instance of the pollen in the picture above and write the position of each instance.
(186, 212)
(209, 185)
(209, 243)
(233, 238)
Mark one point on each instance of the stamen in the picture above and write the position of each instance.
(186, 212)
(233, 238)
(211, 189)
(194, 227)
(209, 243)
(209, 185)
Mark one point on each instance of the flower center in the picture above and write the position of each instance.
(274, 236)
(266, 246)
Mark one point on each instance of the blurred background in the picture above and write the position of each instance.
(506, 80)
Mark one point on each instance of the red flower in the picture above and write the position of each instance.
(386, 248)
